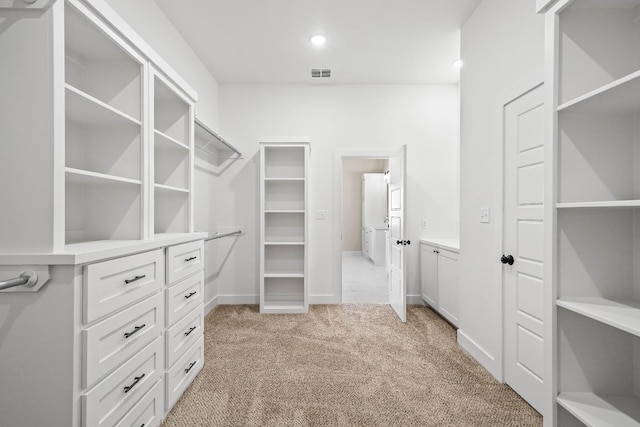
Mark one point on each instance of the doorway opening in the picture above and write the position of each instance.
(365, 228)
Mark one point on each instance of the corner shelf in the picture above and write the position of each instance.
(594, 409)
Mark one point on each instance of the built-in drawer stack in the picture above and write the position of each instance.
(184, 298)
(122, 341)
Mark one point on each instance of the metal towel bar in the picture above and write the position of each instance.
(218, 235)
(28, 278)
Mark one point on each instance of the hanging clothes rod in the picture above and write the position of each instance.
(28, 279)
(217, 235)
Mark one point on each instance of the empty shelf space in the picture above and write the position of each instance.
(620, 314)
(284, 179)
(619, 96)
(603, 204)
(84, 108)
(272, 211)
(284, 243)
(602, 409)
(165, 142)
(169, 189)
(87, 177)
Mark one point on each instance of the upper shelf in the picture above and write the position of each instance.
(620, 96)
(212, 148)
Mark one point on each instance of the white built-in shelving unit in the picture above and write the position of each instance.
(594, 190)
(284, 217)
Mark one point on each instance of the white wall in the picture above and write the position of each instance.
(337, 118)
(502, 48)
(148, 20)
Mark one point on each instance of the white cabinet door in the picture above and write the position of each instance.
(371, 244)
(448, 285)
(429, 275)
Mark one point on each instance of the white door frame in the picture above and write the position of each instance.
(338, 156)
(526, 85)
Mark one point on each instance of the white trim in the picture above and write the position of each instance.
(338, 156)
(480, 354)
(415, 300)
(284, 140)
(238, 299)
(325, 299)
(208, 307)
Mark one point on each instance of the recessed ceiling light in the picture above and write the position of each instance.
(318, 40)
(457, 63)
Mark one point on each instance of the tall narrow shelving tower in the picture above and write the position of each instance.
(594, 203)
(284, 243)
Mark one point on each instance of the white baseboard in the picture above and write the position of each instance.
(324, 299)
(211, 305)
(480, 354)
(238, 299)
(414, 300)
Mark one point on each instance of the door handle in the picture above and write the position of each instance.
(507, 259)
(403, 242)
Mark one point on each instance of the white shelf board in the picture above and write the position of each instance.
(163, 141)
(85, 109)
(284, 179)
(169, 189)
(621, 314)
(602, 204)
(80, 176)
(284, 274)
(622, 95)
(285, 211)
(284, 306)
(283, 243)
(602, 409)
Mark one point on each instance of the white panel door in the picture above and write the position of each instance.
(398, 275)
(523, 245)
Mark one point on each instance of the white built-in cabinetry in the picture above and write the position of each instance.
(97, 161)
(593, 202)
(374, 245)
(284, 217)
(439, 276)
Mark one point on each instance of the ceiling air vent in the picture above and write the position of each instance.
(321, 73)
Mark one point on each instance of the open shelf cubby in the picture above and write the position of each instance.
(284, 227)
(284, 294)
(284, 195)
(100, 208)
(599, 44)
(284, 162)
(99, 65)
(599, 372)
(171, 115)
(284, 260)
(171, 212)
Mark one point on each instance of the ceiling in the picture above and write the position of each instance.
(368, 41)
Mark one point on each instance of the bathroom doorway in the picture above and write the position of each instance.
(365, 248)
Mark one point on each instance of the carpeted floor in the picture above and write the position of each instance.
(341, 365)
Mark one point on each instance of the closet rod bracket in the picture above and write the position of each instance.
(23, 278)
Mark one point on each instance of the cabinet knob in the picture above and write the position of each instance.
(507, 259)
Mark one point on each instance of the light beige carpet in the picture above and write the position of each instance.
(342, 365)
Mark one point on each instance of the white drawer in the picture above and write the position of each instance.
(148, 411)
(184, 260)
(111, 285)
(114, 340)
(184, 297)
(113, 397)
(183, 334)
(185, 370)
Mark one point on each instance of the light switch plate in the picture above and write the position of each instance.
(485, 215)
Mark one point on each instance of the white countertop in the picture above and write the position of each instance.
(443, 243)
(85, 253)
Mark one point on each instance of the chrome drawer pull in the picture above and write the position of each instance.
(135, 330)
(193, 328)
(186, 371)
(127, 281)
(190, 258)
(190, 295)
(136, 381)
